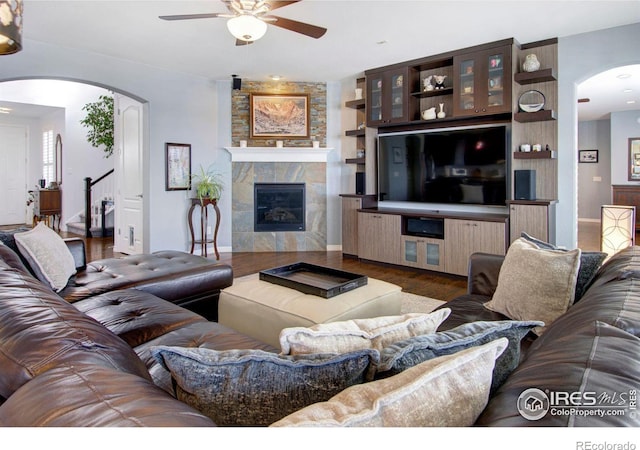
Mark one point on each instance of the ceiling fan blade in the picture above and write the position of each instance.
(192, 16)
(299, 27)
(241, 42)
(275, 5)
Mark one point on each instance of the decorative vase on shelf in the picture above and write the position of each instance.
(429, 114)
(441, 113)
(531, 63)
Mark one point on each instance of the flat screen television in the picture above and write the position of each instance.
(463, 166)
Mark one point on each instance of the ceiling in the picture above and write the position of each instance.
(362, 34)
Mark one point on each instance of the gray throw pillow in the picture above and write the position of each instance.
(411, 352)
(590, 263)
(258, 388)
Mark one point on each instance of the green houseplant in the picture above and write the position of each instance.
(207, 184)
(99, 121)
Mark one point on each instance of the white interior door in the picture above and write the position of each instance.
(129, 186)
(13, 184)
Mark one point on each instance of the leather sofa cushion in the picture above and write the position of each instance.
(10, 259)
(596, 357)
(135, 316)
(210, 335)
(95, 396)
(39, 331)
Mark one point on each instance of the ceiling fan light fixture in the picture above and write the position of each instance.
(246, 27)
(10, 26)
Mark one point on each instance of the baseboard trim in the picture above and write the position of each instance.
(589, 220)
(334, 248)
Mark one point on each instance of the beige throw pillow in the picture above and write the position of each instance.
(535, 284)
(48, 255)
(449, 391)
(358, 334)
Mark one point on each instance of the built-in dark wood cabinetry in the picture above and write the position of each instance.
(477, 82)
(482, 85)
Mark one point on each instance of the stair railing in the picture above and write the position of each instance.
(88, 209)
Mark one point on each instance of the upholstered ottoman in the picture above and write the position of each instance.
(261, 309)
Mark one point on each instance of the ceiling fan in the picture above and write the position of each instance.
(248, 20)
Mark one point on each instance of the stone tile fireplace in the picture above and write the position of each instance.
(267, 165)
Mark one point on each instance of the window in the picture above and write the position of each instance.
(48, 155)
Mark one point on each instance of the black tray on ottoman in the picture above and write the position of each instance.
(315, 280)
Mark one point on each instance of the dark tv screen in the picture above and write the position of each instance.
(448, 166)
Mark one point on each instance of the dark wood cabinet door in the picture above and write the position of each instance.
(482, 82)
(388, 97)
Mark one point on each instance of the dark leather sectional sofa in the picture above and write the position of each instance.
(87, 363)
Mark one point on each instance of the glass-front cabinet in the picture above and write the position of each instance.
(425, 253)
(482, 82)
(387, 97)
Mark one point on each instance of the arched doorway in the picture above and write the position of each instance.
(608, 109)
(80, 160)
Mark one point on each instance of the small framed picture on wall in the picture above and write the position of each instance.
(634, 159)
(178, 167)
(588, 156)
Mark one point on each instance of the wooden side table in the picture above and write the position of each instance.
(204, 220)
(47, 203)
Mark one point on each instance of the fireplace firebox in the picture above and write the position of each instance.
(279, 206)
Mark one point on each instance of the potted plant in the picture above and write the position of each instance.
(207, 184)
(99, 121)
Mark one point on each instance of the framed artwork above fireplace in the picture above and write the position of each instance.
(279, 116)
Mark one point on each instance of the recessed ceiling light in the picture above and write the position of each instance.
(382, 42)
(630, 102)
(622, 76)
(626, 91)
(275, 77)
(4, 110)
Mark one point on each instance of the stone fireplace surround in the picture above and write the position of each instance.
(278, 165)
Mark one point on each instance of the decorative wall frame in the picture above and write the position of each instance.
(588, 156)
(634, 159)
(278, 115)
(177, 167)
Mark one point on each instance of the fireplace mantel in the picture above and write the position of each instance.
(274, 154)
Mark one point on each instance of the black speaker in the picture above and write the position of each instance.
(360, 183)
(524, 184)
(237, 83)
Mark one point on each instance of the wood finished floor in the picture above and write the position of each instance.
(430, 284)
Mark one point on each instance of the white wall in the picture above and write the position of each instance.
(579, 58)
(624, 125)
(592, 194)
(182, 108)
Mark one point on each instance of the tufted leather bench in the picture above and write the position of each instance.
(187, 280)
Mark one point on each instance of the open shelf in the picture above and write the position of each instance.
(540, 116)
(544, 154)
(539, 76)
(354, 160)
(355, 132)
(433, 93)
(356, 104)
